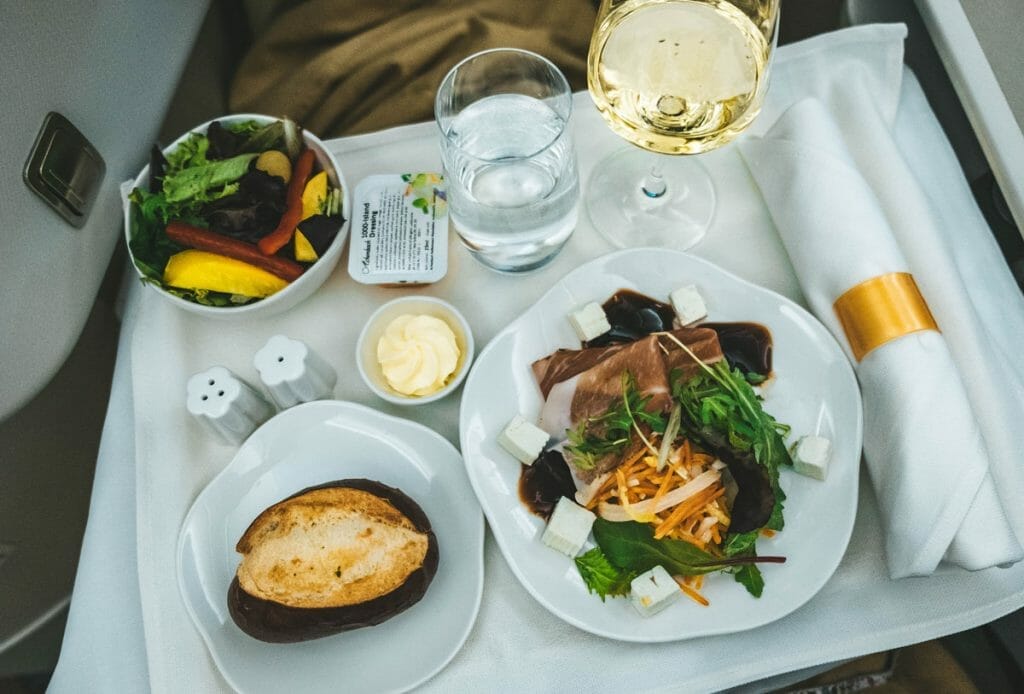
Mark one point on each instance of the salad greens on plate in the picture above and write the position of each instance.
(722, 412)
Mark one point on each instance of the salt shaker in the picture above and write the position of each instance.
(293, 373)
(229, 407)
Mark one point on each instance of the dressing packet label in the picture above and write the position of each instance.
(400, 229)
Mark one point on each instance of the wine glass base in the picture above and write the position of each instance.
(626, 216)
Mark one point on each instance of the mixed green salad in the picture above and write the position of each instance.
(234, 214)
(717, 418)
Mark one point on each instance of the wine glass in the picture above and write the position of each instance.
(672, 77)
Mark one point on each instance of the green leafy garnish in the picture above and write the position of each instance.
(149, 243)
(595, 437)
(249, 128)
(740, 543)
(749, 576)
(601, 576)
(626, 550)
(631, 545)
(206, 182)
(191, 152)
(722, 398)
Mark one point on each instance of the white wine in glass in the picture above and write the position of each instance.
(672, 77)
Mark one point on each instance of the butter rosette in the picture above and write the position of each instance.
(924, 445)
(417, 354)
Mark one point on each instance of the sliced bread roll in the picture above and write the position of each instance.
(335, 557)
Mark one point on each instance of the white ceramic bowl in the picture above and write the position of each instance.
(299, 289)
(366, 346)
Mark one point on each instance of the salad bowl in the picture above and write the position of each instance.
(295, 291)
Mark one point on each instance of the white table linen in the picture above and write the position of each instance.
(516, 645)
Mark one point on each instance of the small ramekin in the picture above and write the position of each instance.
(366, 346)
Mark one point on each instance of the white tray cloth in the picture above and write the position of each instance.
(516, 644)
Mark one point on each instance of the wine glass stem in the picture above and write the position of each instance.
(653, 185)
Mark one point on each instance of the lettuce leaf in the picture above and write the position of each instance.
(206, 182)
(148, 241)
(191, 152)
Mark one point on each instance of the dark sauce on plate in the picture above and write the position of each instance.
(542, 484)
(633, 315)
(746, 346)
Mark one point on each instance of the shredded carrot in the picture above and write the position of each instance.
(702, 519)
(666, 481)
(620, 478)
(687, 508)
(693, 594)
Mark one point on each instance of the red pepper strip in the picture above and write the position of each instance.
(275, 240)
(204, 240)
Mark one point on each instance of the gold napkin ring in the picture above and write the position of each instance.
(881, 309)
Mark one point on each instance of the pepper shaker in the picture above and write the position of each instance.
(293, 373)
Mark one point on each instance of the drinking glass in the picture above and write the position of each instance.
(513, 183)
(672, 77)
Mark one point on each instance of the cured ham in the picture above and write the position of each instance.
(580, 385)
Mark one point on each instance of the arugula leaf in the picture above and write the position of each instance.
(630, 548)
(723, 399)
(776, 521)
(743, 544)
(740, 543)
(751, 578)
(601, 576)
(595, 437)
(261, 138)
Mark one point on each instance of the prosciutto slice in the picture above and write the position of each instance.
(582, 384)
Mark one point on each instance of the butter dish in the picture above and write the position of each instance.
(369, 364)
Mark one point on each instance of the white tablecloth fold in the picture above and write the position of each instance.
(516, 644)
(924, 445)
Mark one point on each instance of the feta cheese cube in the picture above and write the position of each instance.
(653, 591)
(568, 527)
(689, 304)
(523, 440)
(811, 456)
(590, 321)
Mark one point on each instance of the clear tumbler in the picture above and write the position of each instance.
(509, 161)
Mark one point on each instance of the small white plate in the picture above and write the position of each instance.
(814, 391)
(311, 444)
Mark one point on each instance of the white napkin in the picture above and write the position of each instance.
(926, 438)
